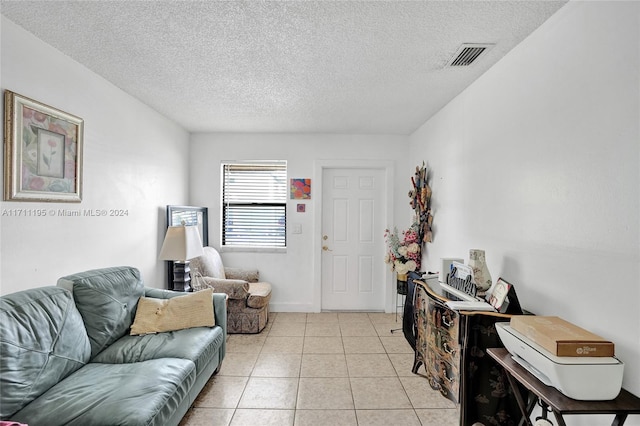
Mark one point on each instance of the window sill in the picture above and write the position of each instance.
(253, 249)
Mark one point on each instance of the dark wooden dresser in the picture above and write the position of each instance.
(452, 347)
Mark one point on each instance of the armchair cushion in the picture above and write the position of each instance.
(209, 264)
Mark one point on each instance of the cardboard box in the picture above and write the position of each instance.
(562, 338)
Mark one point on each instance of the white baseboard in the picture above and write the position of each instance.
(291, 307)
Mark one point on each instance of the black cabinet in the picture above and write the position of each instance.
(452, 347)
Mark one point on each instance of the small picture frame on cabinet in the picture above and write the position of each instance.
(503, 297)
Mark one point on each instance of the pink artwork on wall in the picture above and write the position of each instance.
(300, 189)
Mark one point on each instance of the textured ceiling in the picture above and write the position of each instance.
(304, 66)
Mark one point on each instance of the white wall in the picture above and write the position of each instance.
(134, 159)
(538, 163)
(292, 273)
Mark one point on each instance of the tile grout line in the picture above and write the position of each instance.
(343, 355)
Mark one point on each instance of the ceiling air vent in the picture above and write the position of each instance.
(468, 53)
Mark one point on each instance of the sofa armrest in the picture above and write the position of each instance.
(220, 314)
(249, 275)
(235, 289)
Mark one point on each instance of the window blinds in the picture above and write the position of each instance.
(254, 198)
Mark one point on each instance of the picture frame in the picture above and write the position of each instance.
(300, 188)
(504, 298)
(43, 152)
(189, 216)
(499, 295)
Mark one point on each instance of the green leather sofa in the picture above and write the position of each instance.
(66, 356)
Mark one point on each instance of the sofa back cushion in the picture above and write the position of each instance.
(42, 341)
(209, 264)
(106, 299)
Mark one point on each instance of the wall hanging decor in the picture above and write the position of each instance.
(43, 152)
(420, 196)
(300, 189)
(404, 250)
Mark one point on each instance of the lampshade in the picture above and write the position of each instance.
(181, 243)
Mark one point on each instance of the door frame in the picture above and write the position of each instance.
(319, 167)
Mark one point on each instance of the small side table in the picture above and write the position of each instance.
(625, 403)
(401, 295)
(401, 292)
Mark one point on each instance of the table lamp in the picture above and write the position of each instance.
(181, 244)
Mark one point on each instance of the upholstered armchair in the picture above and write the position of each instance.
(248, 305)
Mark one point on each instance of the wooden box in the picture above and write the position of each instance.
(561, 337)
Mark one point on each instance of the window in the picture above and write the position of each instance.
(254, 204)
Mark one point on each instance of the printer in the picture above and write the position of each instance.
(581, 378)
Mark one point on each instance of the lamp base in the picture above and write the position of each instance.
(181, 276)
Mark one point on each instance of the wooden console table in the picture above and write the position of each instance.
(624, 404)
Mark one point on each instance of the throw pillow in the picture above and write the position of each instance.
(160, 315)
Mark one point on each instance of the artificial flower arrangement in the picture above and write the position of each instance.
(404, 256)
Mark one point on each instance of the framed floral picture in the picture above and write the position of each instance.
(300, 189)
(43, 152)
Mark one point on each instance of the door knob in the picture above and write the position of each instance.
(325, 248)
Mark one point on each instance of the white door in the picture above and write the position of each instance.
(352, 239)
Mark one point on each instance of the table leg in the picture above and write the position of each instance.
(619, 420)
(533, 400)
(559, 419)
(516, 392)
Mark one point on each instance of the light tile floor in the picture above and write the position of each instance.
(320, 369)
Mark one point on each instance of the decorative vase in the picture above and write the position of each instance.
(481, 275)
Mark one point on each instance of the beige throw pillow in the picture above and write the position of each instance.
(159, 315)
